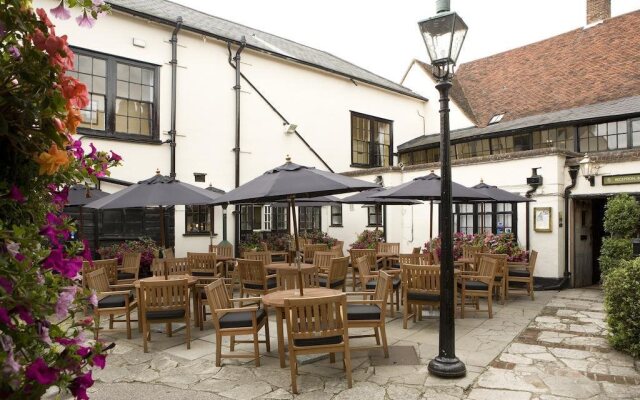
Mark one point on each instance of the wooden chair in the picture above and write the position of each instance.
(310, 249)
(177, 266)
(110, 267)
(288, 278)
(357, 253)
(231, 321)
(473, 253)
(338, 248)
(110, 301)
(369, 282)
(157, 267)
(317, 325)
(390, 248)
(224, 251)
(168, 253)
(201, 297)
(480, 284)
(413, 258)
(337, 275)
(524, 275)
(263, 256)
(322, 259)
(204, 265)
(128, 272)
(435, 257)
(370, 313)
(254, 280)
(164, 301)
(501, 269)
(421, 286)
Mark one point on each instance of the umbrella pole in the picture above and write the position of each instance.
(166, 273)
(211, 217)
(295, 233)
(430, 220)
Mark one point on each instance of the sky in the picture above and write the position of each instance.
(382, 35)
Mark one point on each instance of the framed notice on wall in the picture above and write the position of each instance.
(542, 219)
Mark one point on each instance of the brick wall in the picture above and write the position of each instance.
(598, 10)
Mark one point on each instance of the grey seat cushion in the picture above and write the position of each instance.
(474, 285)
(323, 282)
(114, 300)
(371, 285)
(422, 296)
(519, 273)
(241, 319)
(363, 312)
(126, 275)
(318, 341)
(169, 314)
(271, 283)
(203, 273)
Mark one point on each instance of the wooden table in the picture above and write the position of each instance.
(288, 267)
(276, 300)
(284, 254)
(191, 282)
(385, 257)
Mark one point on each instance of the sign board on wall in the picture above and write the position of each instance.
(620, 179)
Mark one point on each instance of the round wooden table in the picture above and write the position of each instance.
(191, 282)
(276, 300)
(288, 267)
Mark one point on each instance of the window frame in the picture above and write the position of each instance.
(336, 214)
(303, 221)
(111, 96)
(379, 216)
(372, 142)
(493, 213)
(207, 220)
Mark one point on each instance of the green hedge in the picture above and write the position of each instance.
(614, 251)
(622, 303)
(621, 216)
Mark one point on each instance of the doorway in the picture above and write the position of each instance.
(587, 239)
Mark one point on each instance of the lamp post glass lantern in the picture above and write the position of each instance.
(588, 169)
(443, 36)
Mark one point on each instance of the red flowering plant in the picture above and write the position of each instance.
(504, 243)
(44, 342)
(319, 237)
(368, 239)
(147, 248)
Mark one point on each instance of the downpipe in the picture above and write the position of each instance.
(174, 80)
(573, 174)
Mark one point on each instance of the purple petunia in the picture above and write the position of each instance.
(16, 195)
(93, 151)
(10, 366)
(93, 298)
(14, 52)
(60, 197)
(65, 298)
(6, 284)
(40, 372)
(24, 314)
(99, 360)
(85, 20)
(79, 386)
(115, 157)
(5, 318)
(60, 12)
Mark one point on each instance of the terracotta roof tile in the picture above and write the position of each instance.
(577, 68)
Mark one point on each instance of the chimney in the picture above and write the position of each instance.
(598, 10)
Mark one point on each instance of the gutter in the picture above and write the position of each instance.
(274, 109)
(261, 50)
(174, 77)
(573, 173)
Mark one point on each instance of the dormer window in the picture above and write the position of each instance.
(496, 118)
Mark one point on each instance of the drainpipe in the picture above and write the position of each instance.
(174, 73)
(535, 181)
(573, 174)
(236, 149)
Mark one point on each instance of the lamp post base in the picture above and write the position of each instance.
(447, 367)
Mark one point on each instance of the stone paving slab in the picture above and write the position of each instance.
(548, 349)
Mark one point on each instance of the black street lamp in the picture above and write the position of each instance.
(443, 34)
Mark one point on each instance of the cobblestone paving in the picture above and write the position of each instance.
(551, 348)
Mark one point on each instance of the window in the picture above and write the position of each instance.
(371, 141)
(336, 215)
(280, 219)
(504, 218)
(496, 118)
(635, 133)
(496, 218)
(266, 218)
(374, 215)
(485, 217)
(197, 219)
(123, 96)
(602, 137)
(464, 218)
(309, 218)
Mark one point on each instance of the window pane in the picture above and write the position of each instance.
(123, 72)
(134, 109)
(135, 91)
(85, 64)
(135, 75)
(122, 89)
(122, 107)
(147, 93)
(121, 124)
(86, 79)
(133, 125)
(147, 77)
(99, 85)
(99, 67)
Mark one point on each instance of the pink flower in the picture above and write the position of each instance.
(99, 360)
(93, 151)
(85, 21)
(44, 335)
(60, 12)
(65, 341)
(15, 52)
(24, 314)
(10, 365)
(83, 351)
(93, 299)
(5, 318)
(6, 284)
(115, 157)
(65, 298)
(16, 195)
(79, 386)
(40, 372)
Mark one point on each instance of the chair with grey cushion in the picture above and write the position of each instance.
(128, 271)
(421, 287)
(164, 301)
(231, 321)
(337, 275)
(480, 284)
(370, 312)
(110, 300)
(369, 281)
(524, 275)
(254, 280)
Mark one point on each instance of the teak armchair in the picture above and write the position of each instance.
(421, 286)
(230, 321)
(128, 272)
(204, 265)
(501, 270)
(288, 278)
(337, 275)
(168, 253)
(480, 284)
(110, 301)
(322, 259)
(317, 325)
(369, 282)
(414, 259)
(254, 280)
(370, 313)
(310, 249)
(177, 266)
(110, 267)
(264, 256)
(164, 301)
(357, 253)
(223, 251)
(201, 297)
(388, 248)
(524, 275)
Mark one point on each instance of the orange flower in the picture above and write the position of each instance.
(73, 118)
(50, 161)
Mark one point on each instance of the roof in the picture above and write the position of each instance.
(167, 12)
(606, 110)
(585, 66)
